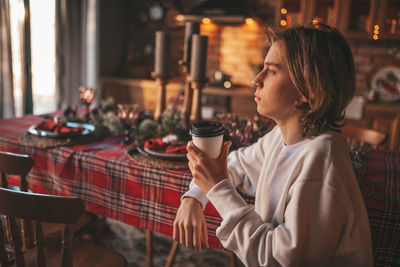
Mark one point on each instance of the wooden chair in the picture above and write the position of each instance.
(55, 209)
(21, 164)
(17, 164)
(363, 137)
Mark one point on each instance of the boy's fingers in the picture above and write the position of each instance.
(175, 234)
(194, 152)
(192, 147)
(189, 156)
(225, 149)
(196, 240)
(181, 235)
(189, 237)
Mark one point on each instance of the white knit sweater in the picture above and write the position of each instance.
(308, 207)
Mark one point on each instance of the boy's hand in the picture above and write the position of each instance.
(206, 171)
(190, 228)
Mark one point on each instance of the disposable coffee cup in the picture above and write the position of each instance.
(208, 136)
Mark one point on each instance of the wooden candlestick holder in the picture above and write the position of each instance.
(188, 95)
(197, 85)
(161, 81)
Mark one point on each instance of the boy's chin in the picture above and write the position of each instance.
(261, 111)
(264, 113)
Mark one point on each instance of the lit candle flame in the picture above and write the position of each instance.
(249, 21)
(206, 20)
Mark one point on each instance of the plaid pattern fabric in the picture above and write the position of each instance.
(115, 187)
(110, 184)
(381, 175)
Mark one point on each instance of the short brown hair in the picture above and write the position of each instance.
(321, 68)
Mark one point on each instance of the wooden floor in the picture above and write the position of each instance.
(83, 255)
(131, 243)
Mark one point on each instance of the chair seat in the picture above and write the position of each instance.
(360, 136)
(85, 253)
(53, 231)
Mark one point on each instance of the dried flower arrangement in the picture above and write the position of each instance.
(244, 131)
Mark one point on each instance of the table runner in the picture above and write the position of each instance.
(114, 186)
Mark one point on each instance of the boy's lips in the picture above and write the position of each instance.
(256, 97)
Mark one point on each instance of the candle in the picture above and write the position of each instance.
(198, 57)
(190, 28)
(161, 53)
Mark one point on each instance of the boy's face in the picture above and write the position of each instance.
(275, 95)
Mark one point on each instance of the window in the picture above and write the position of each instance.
(42, 13)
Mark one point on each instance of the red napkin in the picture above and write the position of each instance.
(176, 149)
(46, 125)
(60, 127)
(65, 129)
(155, 144)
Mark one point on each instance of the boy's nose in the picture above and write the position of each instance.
(257, 82)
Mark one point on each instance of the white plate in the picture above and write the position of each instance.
(88, 129)
(174, 156)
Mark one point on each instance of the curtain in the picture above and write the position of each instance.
(26, 74)
(70, 51)
(7, 109)
(76, 49)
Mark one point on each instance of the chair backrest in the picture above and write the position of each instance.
(18, 164)
(362, 136)
(38, 208)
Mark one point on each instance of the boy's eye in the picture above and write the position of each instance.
(270, 71)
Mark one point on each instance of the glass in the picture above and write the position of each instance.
(129, 115)
(87, 96)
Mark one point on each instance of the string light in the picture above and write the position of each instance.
(376, 32)
(284, 11)
(179, 18)
(227, 84)
(315, 21)
(283, 22)
(206, 20)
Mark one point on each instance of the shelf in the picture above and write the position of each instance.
(143, 92)
(356, 19)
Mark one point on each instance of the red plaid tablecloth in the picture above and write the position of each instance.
(115, 187)
(104, 177)
(380, 173)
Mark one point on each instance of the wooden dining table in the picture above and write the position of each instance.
(114, 186)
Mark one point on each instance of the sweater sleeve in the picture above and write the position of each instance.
(196, 193)
(308, 235)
